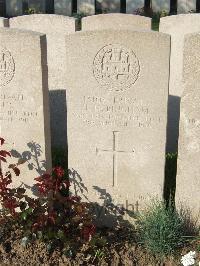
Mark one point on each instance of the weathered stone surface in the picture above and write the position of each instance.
(188, 181)
(4, 22)
(116, 21)
(14, 8)
(24, 107)
(132, 6)
(184, 6)
(55, 27)
(63, 7)
(161, 5)
(116, 124)
(177, 26)
(86, 7)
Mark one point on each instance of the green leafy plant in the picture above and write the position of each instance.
(99, 255)
(156, 18)
(32, 10)
(161, 229)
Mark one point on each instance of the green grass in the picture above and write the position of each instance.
(161, 229)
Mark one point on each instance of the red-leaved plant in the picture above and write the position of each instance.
(54, 215)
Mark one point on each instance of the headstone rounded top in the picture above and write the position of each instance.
(116, 21)
(176, 18)
(117, 15)
(54, 23)
(20, 32)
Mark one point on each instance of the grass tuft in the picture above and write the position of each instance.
(161, 229)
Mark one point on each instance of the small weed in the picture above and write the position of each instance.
(99, 255)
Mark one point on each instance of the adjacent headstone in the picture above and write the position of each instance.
(55, 27)
(116, 21)
(14, 8)
(86, 7)
(184, 6)
(63, 7)
(177, 26)
(116, 122)
(188, 181)
(108, 6)
(24, 106)
(161, 5)
(38, 5)
(4, 22)
(133, 6)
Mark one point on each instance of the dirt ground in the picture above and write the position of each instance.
(119, 248)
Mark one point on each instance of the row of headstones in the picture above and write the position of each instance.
(108, 97)
(88, 7)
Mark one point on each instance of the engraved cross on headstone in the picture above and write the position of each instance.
(115, 153)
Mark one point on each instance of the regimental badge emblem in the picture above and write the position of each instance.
(7, 67)
(116, 67)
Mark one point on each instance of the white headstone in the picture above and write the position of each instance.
(116, 21)
(177, 26)
(188, 179)
(116, 124)
(56, 27)
(24, 106)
